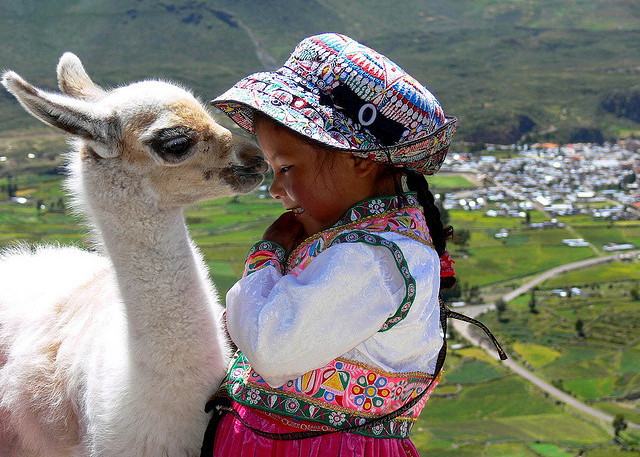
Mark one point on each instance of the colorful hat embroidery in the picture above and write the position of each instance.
(346, 96)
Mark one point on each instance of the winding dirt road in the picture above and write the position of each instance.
(472, 311)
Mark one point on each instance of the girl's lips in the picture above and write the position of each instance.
(297, 210)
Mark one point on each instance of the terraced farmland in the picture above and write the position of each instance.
(480, 409)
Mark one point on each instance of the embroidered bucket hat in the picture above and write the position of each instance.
(348, 97)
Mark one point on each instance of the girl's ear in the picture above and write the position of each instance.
(364, 167)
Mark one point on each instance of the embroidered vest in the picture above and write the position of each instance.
(344, 393)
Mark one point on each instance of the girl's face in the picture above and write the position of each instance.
(317, 195)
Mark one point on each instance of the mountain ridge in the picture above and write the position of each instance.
(511, 71)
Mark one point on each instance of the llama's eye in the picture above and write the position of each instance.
(176, 149)
(174, 144)
(177, 146)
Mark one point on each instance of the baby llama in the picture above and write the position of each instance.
(114, 352)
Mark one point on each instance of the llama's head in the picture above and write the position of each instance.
(150, 137)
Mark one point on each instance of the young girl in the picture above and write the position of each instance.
(337, 316)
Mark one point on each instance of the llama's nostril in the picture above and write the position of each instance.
(255, 162)
(261, 164)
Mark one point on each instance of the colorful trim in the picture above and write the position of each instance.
(265, 254)
(377, 206)
(401, 263)
(344, 393)
(399, 214)
(340, 395)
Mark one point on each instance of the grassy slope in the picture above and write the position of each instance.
(489, 62)
(602, 367)
(482, 74)
(484, 413)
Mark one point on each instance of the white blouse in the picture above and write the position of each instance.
(288, 325)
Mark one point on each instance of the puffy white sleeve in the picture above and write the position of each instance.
(288, 325)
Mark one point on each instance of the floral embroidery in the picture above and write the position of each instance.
(357, 392)
(405, 219)
(420, 134)
(292, 405)
(376, 206)
(370, 391)
(399, 216)
(253, 396)
(399, 390)
(337, 418)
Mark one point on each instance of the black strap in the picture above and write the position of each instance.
(221, 403)
(220, 400)
(471, 320)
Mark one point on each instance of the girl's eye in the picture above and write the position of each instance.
(285, 169)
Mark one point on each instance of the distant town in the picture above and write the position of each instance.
(597, 181)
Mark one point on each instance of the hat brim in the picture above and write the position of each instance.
(295, 105)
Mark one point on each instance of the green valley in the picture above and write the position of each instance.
(518, 74)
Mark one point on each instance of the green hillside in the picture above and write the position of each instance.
(510, 70)
(480, 409)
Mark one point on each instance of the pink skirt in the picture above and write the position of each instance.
(234, 439)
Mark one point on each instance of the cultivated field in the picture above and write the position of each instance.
(480, 409)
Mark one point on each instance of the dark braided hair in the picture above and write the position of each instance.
(416, 182)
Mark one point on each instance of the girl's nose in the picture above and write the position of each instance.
(276, 188)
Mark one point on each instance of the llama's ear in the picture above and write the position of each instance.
(75, 116)
(73, 80)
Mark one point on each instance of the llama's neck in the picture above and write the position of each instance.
(168, 298)
(161, 276)
(163, 282)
